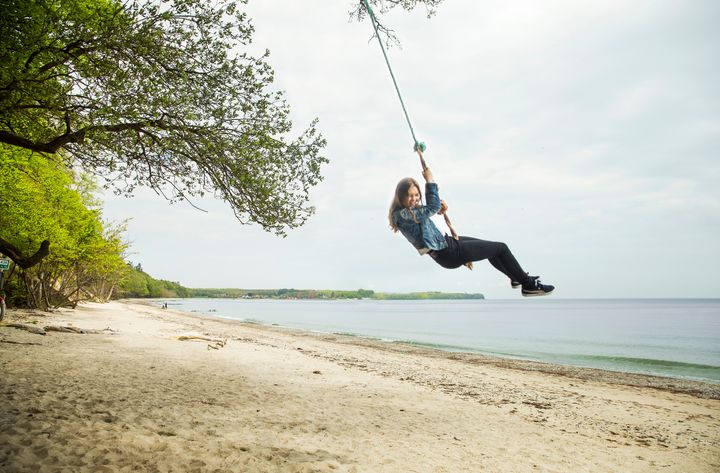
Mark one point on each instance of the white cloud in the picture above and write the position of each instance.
(584, 134)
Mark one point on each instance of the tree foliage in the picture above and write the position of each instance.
(381, 7)
(40, 200)
(138, 283)
(158, 94)
(384, 6)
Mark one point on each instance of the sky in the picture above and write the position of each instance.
(585, 135)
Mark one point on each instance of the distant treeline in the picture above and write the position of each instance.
(140, 284)
(325, 294)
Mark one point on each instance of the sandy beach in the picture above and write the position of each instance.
(148, 389)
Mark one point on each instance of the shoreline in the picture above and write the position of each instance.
(701, 388)
(160, 389)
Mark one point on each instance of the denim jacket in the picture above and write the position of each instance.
(415, 224)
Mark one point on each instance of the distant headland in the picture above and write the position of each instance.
(328, 294)
(140, 284)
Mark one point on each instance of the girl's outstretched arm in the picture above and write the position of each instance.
(427, 174)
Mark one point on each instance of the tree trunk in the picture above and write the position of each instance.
(19, 258)
(32, 295)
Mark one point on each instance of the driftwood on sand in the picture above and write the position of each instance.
(54, 328)
(215, 343)
(28, 328)
(19, 343)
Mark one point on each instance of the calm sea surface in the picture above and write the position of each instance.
(674, 337)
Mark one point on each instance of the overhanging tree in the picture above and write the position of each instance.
(156, 93)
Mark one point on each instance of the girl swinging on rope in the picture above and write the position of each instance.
(412, 219)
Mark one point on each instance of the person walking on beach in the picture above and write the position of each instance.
(412, 219)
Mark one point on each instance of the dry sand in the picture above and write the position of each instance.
(139, 399)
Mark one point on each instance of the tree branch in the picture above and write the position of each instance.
(21, 260)
(78, 136)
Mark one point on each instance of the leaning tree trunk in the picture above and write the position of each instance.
(25, 262)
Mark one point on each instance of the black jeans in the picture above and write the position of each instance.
(466, 249)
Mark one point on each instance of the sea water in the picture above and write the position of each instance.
(674, 337)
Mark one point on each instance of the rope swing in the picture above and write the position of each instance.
(418, 146)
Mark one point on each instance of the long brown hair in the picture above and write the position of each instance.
(401, 192)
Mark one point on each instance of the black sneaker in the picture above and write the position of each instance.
(515, 284)
(535, 288)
